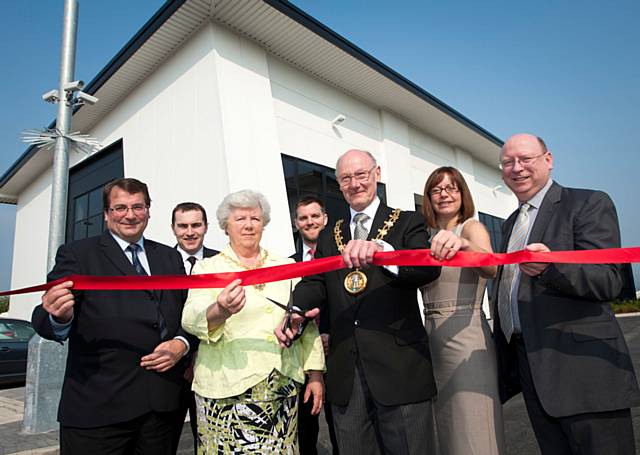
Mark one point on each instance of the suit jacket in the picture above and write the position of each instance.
(208, 252)
(380, 328)
(323, 322)
(111, 330)
(576, 351)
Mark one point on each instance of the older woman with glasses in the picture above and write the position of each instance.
(246, 385)
(467, 408)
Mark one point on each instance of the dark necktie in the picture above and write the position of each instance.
(134, 248)
(192, 260)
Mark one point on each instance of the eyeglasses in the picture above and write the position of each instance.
(122, 210)
(524, 161)
(360, 176)
(449, 189)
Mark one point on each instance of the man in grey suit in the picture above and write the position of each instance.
(556, 336)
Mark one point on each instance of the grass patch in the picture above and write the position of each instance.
(4, 304)
(626, 306)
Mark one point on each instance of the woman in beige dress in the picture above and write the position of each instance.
(467, 408)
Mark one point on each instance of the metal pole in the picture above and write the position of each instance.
(46, 360)
(63, 124)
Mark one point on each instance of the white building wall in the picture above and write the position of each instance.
(215, 118)
(200, 127)
(304, 108)
(30, 245)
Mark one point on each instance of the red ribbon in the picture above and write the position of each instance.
(300, 269)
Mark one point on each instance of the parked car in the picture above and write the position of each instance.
(14, 340)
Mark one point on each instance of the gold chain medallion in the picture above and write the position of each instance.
(356, 281)
(259, 263)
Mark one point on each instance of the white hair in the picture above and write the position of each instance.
(243, 199)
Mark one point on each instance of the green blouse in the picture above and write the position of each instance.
(243, 350)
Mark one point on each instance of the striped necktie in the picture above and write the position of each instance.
(507, 281)
(134, 248)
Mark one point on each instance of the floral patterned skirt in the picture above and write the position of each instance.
(262, 420)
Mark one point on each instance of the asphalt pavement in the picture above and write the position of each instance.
(519, 436)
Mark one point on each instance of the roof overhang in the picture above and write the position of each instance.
(284, 31)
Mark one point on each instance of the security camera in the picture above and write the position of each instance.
(51, 96)
(85, 98)
(339, 119)
(73, 86)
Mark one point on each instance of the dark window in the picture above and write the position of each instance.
(494, 226)
(303, 178)
(84, 210)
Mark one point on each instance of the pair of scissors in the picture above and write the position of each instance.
(290, 311)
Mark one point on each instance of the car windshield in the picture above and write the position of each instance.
(15, 330)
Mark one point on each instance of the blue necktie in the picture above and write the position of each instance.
(134, 248)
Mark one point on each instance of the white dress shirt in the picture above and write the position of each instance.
(185, 256)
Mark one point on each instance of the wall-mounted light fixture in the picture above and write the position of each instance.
(338, 119)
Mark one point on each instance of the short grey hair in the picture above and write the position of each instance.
(366, 152)
(243, 199)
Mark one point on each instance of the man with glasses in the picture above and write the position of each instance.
(557, 339)
(379, 377)
(122, 383)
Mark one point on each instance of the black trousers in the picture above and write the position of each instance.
(149, 434)
(309, 426)
(593, 433)
(187, 403)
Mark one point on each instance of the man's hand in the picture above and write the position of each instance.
(325, 343)
(359, 253)
(535, 268)
(315, 387)
(285, 338)
(445, 244)
(164, 356)
(58, 302)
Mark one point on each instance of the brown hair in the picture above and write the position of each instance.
(307, 200)
(467, 209)
(188, 207)
(131, 186)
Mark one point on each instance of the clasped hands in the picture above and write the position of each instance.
(59, 301)
(445, 245)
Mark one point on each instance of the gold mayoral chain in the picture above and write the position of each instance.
(259, 263)
(356, 281)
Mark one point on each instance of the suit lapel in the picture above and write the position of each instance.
(545, 213)
(382, 214)
(155, 263)
(114, 253)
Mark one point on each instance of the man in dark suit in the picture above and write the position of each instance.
(310, 218)
(189, 224)
(556, 336)
(379, 375)
(121, 387)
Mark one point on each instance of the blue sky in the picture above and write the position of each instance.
(567, 71)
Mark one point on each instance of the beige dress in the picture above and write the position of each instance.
(467, 408)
